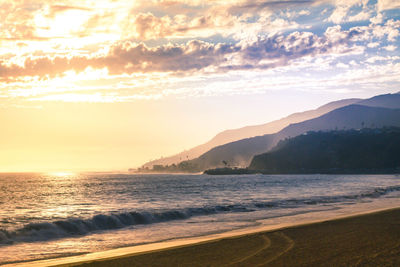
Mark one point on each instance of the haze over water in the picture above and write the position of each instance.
(53, 215)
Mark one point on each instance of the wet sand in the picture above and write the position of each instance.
(364, 240)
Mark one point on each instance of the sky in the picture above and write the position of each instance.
(108, 85)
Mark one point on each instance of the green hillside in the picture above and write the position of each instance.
(353, 151)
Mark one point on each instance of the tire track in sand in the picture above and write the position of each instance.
(276, 244)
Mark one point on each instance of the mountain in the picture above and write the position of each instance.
(349, 117)
(240, 153)
(352, 151)
(386, 101)
(250, 131)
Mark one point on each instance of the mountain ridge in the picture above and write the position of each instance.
(377, 111)
(240, 153)
(233, 135)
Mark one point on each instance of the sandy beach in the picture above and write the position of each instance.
(371, 239)
(364, 240)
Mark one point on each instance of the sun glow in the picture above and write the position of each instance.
(62, 174)
(61, 25)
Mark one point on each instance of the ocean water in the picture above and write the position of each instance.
(54, 215)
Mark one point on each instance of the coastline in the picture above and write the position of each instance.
(247, 171)
(252, 235)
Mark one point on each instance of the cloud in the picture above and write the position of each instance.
(387, 4)
(128, 57)
(341, 13)
(145, 26)
(281, 50)
(390, 48)
(28, 20)
(16, 22)
(55, 9)
(361, 16)
(194, 55)
(98, 23)
(380, 58)
(251, 36)
(389, 29)
(373, 45)
(111, 51)
(251, 6)
(342, 65)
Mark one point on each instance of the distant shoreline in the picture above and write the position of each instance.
(177, 173)
(244, 171)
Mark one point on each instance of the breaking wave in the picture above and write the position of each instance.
(43, 231)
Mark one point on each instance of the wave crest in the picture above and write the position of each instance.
(43, 231)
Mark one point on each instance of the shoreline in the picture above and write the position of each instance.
(302, 220)
(247, 171)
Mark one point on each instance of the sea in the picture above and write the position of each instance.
(50, 215)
